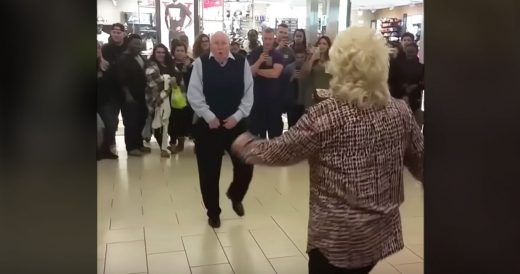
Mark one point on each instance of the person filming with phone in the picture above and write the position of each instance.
(282, 43)
(291, 86)
(267, 66)
(314, 72)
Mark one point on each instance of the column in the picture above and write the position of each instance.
(332, 18)
(312, 20)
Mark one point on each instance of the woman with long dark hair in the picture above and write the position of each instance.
(181, 118)
(201, 45)
(299, 39)
(314, 73)
(159, 64)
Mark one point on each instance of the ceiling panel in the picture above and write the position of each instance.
(381, 4)
(356, 4)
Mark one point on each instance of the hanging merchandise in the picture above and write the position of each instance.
(391, 28)
(291, 22)
(238, 19)
(178, 20)
(212, 3)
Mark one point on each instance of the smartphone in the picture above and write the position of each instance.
(269, 61)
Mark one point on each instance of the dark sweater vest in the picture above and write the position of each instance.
(223, 87)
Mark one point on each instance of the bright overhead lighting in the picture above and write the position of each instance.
(360, 12)
(414, 2)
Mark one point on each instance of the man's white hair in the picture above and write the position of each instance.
(220, 34)
(359, 64)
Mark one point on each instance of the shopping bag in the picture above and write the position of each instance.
(178, 99)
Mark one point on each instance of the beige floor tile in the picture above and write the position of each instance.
(128, 257)
(204, 249)
(411, 268)
(168, 192)
(295, 226)
(274, 243)
(290, 265)
(236, 237)
(121, 235)
(248, 222)
(404, 256)
(384, 268)
(126, 221)
(412, 207)
(413, 230)
(101, 251)
(194, 215)
(163, 238)
(248, 259)
(168, 263)
(100, 266)
(159, 214)
(417, 249)
(212, 269)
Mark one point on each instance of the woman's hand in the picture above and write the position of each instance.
(187, 62)
(241, 143)
(316, 54)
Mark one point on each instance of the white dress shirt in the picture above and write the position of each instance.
(198, 101)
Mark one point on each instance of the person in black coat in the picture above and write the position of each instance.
(395, 73)
(109, 93)
(291, 86)
(413, 73)
(132, 79)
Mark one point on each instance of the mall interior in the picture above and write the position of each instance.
(151, 218)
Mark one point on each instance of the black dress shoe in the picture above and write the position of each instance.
(214, 222)
(237, 206)
(109, 155)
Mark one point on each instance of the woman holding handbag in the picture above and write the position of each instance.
(159, 69)
(181, 113)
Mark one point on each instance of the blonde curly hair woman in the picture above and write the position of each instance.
(357, 143)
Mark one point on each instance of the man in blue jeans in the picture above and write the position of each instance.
(267, 65)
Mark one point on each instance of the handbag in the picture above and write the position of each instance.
(178, 99)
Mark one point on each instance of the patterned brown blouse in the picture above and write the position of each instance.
(356, 160)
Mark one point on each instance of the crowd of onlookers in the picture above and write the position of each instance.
(231, 98)
(150, 93)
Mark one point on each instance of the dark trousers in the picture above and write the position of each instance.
(210, 145)
(134, 119)
(180, 123)
(318, 264)
(109, 113)
(157, 134)
(294, 113)
(266, 117)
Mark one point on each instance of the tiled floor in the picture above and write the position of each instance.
(151, 220)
